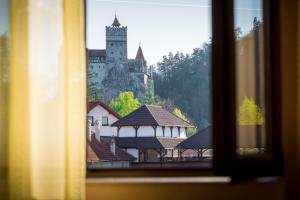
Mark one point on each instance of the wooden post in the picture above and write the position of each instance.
(118, 131)
(154, 127)
(136, 130)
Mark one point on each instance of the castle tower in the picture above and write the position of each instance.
(116, 42)
(140, 54)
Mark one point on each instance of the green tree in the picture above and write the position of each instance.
(179, 114)
(148, 96)
(250, 113)
(184, 81)
(125, 103)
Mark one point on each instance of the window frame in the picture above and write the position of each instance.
(102, 121)
(225, 161)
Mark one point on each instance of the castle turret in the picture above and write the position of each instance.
(116, 42)
(139, 54)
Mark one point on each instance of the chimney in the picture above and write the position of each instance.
(89, 130)
(113, 146)
(97, 130)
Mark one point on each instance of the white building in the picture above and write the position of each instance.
(150, 132)
(101, 151)
(99, 113)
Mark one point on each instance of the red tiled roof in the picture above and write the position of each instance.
(93, 104)
(101, 151)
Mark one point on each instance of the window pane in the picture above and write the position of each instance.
(150, 75)
(250, 73)
(105, 121)
(4, 21)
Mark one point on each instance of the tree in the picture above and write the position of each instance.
(184, 81)
(237, 33)
(250, 113)
(148, 96)
(125, 103)
(179, 114)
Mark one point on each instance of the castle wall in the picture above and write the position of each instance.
(97, 71)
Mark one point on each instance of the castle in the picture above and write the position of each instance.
(111, 72)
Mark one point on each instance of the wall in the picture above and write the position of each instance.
(291, 96)
(108, 164)
(184, 191)
(146, 131)
(97, 113)
(182, 133)
(159, 131)
(98, 73)
(127, 131)
(167, 132)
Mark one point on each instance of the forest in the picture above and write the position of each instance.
(184, 81)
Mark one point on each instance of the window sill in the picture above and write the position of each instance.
(159, 180)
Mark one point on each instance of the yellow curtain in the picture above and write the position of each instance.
(46, 101)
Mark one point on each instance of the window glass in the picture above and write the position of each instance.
(155, 84)
(4, 21)
(104, 121)
(250, 76)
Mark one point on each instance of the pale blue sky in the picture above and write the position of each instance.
(3, 16)
(161, 26)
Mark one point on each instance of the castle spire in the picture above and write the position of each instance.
(116, 22)
(139, 54)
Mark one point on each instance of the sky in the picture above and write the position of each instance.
(3, 17)
(162, 26)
